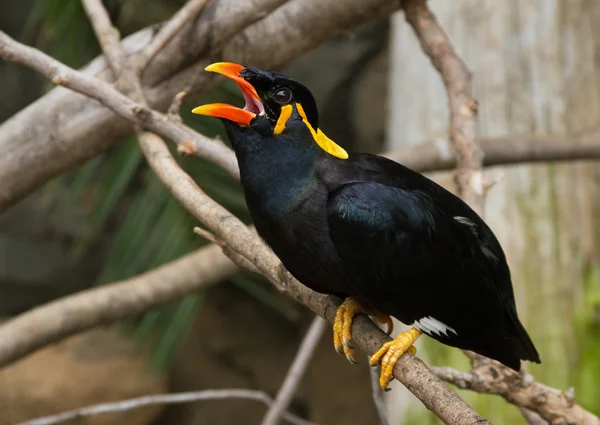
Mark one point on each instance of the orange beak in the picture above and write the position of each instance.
(222, 110)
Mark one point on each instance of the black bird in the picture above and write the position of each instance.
(386, 239)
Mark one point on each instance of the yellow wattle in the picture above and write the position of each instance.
(284, 116)
(321, 139)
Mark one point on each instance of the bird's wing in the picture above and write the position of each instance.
(398, 242)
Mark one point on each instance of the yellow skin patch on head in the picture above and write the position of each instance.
(320, 138)
(284, 116)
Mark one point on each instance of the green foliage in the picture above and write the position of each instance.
(588, 338)
(61, 29)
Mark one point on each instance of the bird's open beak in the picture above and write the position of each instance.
(242, 116)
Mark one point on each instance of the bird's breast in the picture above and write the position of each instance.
(299, 235)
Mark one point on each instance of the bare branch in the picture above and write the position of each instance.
(177, 398)
(211, 149)
(462, 105)
(183, 16)
(33, 156)
(438, 155)
(175, 106)
(241, 261)
(110, 41)
(84, 310)
(296, 372)
(522, 390)
(107, 35)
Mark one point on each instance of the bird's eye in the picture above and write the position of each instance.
(282, 96)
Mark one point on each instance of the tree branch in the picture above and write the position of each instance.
(211, 149)
(177, 398)
(110, 41)
(35, 140)
(107, 35)
(462, 104)
(522, 390)
(174, 26)
(84, 310)
(296, 372)
(438, 155)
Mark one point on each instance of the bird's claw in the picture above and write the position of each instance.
(390, 352)
(342, 328)
(385, 319)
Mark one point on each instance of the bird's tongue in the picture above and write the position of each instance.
(222, 110)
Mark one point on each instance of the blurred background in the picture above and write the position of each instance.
(536, 66)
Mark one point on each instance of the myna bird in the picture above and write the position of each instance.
(384, 238)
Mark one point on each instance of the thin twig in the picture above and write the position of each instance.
(107, 35)
(377, 394)
(183, 16)
(177, 398)
(462, 104)
(124, 72)
(208, 236)
(50, 322)
(241, 261)
(296, 371)
(110, 41)
(173, 111)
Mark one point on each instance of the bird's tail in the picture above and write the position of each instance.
(516, 347)
(521, 342)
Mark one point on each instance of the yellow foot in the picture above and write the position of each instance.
(391, 352)
(342, 325)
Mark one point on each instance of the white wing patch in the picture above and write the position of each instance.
(429, 325)
(466, 222)
(486, 251)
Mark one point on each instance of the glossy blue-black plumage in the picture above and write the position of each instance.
(372, 229)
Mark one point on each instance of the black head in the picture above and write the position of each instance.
(276, 107)
(277, 90)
